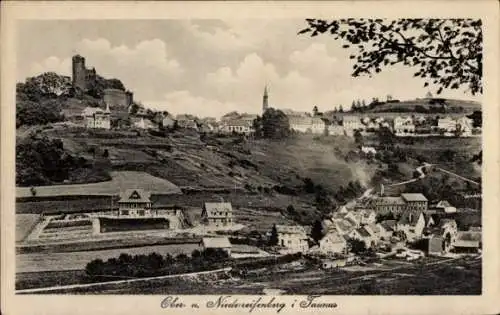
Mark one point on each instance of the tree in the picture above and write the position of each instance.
(358, 137)
(274, 124)
(341, 110)
(477, 118)
(385, 137)
(273, 240)
(445, 52)
(38, 113)
(356, 246)
(134, 108)
(317, 231)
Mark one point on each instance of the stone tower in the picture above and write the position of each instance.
(265, 101)
(79, 72)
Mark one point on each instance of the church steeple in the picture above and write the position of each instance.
(265, 100)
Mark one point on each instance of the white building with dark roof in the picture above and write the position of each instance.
(293, 238)
(222, 243)
(217, 214)
(134, 203)
(97, 118)
(415, 201)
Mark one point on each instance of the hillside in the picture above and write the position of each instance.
(50, 97)
(435, 105)
(424, 106)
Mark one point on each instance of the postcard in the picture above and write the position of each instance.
(255, 157)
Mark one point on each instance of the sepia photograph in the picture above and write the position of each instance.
(301, 155)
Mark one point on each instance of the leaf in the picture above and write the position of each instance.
(306, 30)
(345, 46)
(440, 90)
(426, 84)
(352, 57)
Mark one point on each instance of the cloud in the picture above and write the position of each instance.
(219, 38)
(51, 64)
(145, 68)
(182, 101)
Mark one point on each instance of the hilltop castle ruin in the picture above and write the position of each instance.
(84, 79)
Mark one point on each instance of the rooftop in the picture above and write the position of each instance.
(216, 242)
(413, 197)
(363, 232)
(390, 201)
(290, 229)
(213, 208)
(409, 218)
(134, 196)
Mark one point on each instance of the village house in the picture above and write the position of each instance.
(144, 123)
(344, 227)
(445, 206)
(187, 121)
(351, 123)
(412, 223)
(387, 229)
(468, 241)
(134, 203)
(168, 121)
(368, 150)
(96, 118)
(217, 214)
(293, 238)
(238, 126)
(447, 124)
(221, 243)
(335, 130)
(248, 117)
(361, 234)
(372, 126)
(435, 246)
(464, 126)
(367, 216)
(332, 243)
(300, 123)
(318, 125)
(374, 230)
(447, 230)
(403, 126)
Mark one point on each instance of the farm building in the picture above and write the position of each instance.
(96, 118)
(293, 238)
(217, 214)
(387, 229)
(332, 243)
(134, 203)
(216, 243)
(412, 223)
(468, 241)
(365, 236)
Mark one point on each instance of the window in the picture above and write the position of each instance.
(124, 212)
(140, 212)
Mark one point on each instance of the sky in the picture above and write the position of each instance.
(211, 67)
